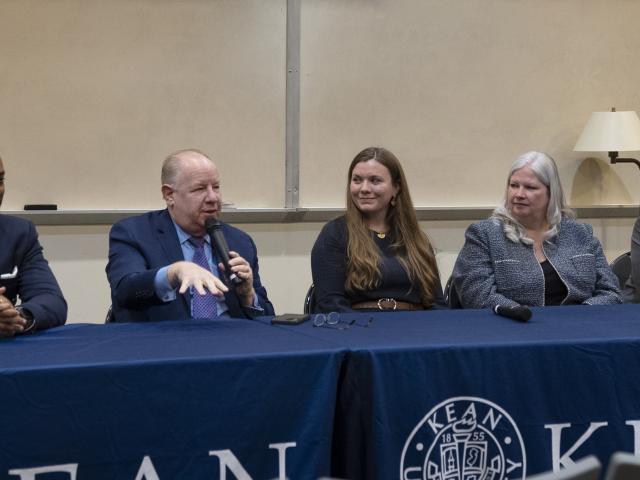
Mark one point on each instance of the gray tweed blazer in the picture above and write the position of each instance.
(492, 270)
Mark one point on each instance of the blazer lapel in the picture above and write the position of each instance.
(168, 237)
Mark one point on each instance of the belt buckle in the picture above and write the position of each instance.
(391, 304)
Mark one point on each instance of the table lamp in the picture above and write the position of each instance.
(611, 132)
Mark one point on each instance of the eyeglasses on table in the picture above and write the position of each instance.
(332, 320)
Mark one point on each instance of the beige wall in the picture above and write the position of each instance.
(457, 89)
(78, 256)
(94, 93)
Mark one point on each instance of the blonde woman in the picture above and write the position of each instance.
(531, 251)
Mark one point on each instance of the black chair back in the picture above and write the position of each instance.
(310, 300)
(451, 295)
(621, 266)
(110, 318)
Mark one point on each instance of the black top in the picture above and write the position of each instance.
(329, 270)
(554, 290)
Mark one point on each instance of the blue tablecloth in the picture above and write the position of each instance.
(104, 397)
(427, 395)
(443, 394)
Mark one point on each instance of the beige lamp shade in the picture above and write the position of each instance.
(610, 132)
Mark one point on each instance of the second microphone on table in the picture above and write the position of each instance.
(519, 312)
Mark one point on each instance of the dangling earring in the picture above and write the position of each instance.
(393, 201)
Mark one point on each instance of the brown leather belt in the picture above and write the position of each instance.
(386, 304)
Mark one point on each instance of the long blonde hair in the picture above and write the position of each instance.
(410, 244)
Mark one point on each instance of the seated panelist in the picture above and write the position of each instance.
(631, 288)
(375, 257)
(25, 275)
(162, 265)
(531, 251)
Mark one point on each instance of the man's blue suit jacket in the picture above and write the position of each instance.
(139, 246)
(35, 284)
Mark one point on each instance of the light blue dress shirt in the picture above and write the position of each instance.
(166, 292)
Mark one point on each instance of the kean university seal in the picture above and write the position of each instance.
(464, 438)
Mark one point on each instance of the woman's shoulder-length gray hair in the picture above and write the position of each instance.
(547, 172)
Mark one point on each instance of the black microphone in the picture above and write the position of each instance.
(519, 313)
(214, 229)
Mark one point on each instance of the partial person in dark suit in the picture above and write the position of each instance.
(153, 265)
(631, 289)
(25, 275)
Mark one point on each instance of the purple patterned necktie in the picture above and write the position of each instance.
(203, 306)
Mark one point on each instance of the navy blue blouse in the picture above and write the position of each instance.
(329, 270)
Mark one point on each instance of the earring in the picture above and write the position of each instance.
(393, 201)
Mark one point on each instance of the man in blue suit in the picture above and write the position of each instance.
(157, 267)
(25, 274)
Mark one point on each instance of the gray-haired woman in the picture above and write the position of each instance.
(531, 251)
